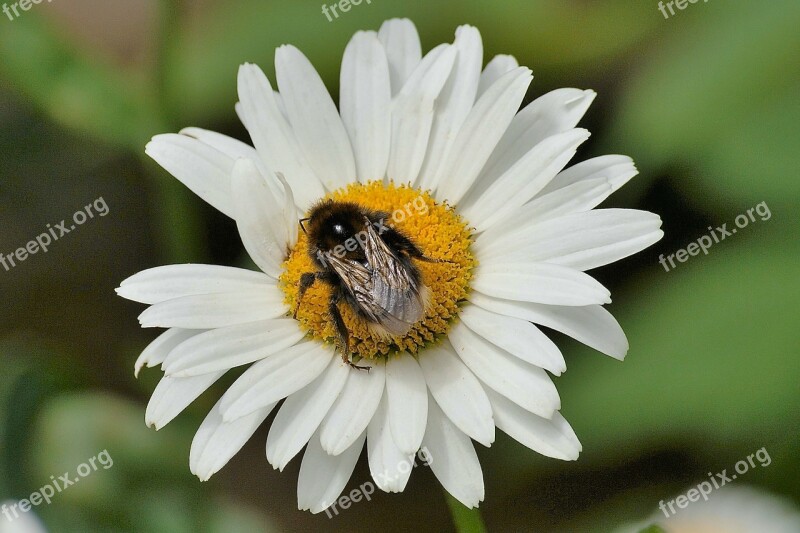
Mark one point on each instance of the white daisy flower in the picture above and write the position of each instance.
(437, 143)
(730, 510)
(14, 520)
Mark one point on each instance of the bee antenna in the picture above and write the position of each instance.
(302, 226)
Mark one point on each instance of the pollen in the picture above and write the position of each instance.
(435, 228)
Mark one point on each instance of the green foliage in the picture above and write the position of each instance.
(709, 352)
(719, 93)
(75, 91)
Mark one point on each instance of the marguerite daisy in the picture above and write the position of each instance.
(437, 143)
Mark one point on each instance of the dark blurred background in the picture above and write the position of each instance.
(706, 102)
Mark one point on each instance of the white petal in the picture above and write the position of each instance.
(538, 282)
(365, 99)
(278, 102)
(580, 240)
(217, 441)
(208, 311)
(323, 477)
(156, 352)
(273, 136)
(553, 113)
(163, 283)
(225, 348)
(407, 398)
(480, 132)
(499, 65)
(526, 385)
(553, 438)
(239, 108)
(390, 467)
(260, 218)
(314, 119)
(235, 149)
(173, 395)
(205, 170)
(412, 114)
(592, 324)
(453, 104)
(403, 49)
(458, 392)
(453, 459)
(576, 198)
(617, 169)
(523, 180)
(518, 337)
(275, 378)
(302, 412)
(289, 211)
(353, 409)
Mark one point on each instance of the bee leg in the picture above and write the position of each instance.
(306, 281)
(342, 335)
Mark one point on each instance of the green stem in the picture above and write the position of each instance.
(465, 520)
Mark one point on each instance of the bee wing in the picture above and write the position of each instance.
(393, 284)
(385, 290)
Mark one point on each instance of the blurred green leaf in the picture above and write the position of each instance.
(720, 93)
(209, 49)
(145, 486)
(713, 352)
(74, 428)
(653, 529)
(73, 89)
(30, 376)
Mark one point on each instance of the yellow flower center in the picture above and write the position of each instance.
(434, 228)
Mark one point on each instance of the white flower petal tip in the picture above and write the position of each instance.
(314, 118)
(481, 131)
(273, 136)
(217, 441)
(518, 337)
(526, 385)
(458, 393)
(454, 461)
(551, 437)
(302, 412)
(168, 282)
(365, 104)
(403, 49)
(173, 395)
(584, 99)
(592, 325)
(322, 476)
(389, 466)
(354, 408)
(202, 168)
(157, 351)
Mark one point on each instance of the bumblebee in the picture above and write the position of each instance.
(369, 265)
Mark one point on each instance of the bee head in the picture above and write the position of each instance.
(330, 224)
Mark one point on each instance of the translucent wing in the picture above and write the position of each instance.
(385, 289)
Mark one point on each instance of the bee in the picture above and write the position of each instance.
(369, 266)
